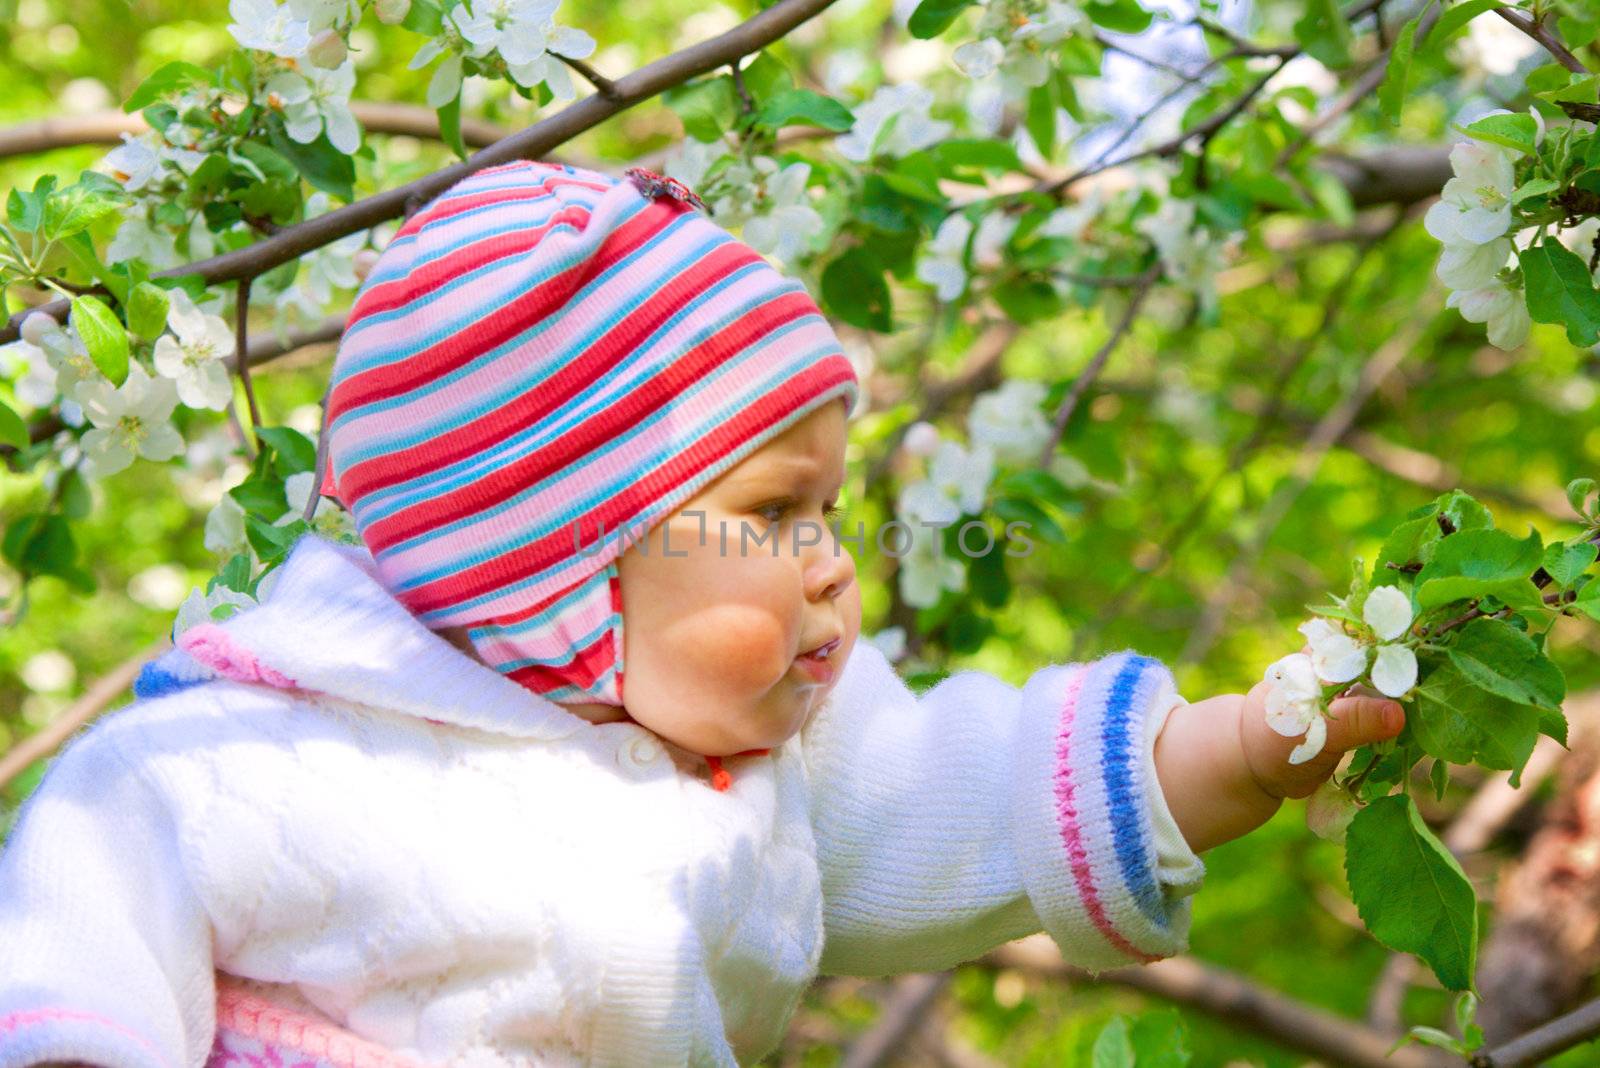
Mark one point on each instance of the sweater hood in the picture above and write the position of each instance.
(329, 626)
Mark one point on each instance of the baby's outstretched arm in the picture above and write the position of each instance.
(952, 821)
(1224, 772)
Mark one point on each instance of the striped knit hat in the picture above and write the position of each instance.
(543, 364)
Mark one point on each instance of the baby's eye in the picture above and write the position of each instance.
(777, 507)
(832, 511)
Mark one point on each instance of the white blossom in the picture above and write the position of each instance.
(1473, 266)
(1190, 256)
(225, 527)
(921, 439)
(1394, 671)
(265, 25)
(298, 490)
(891, 642)
(943, 260)
(1474, 207)
(135, 163)
(314, 101)
(924, 571)
(524, 34)
(33, 379)
(1387, 610)
(1010, 420)
(130, 420)
(137, 239)
(1497, 305)
(980, 58)
(37, 326)
(690, 160)
(893, 122)
(957, 483)
(788, 222)
(75, 369)
(193, 358)
(1335, 656)
(1294, 704)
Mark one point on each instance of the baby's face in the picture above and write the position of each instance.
(711, 632)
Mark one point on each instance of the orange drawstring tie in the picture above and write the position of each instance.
(721, 778)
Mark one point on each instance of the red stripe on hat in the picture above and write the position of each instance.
(583, 670)
(408, 288)
(582, 370)
(522, 312)
(522, 561)
(613, 421)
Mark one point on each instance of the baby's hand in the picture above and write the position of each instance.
(1224, 772)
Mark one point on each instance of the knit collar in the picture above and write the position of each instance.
(329, 625)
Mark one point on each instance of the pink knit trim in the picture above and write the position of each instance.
(1072, 831)
(215, 648)
(29, 1017)
(286, 1034)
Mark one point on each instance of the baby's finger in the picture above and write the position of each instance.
(1359, 719)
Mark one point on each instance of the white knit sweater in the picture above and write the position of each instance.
(334, 804)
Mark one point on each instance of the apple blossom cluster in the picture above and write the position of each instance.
(311, 78)
(894, 121)
(1015, 40)
(1294, 703)
(514, 39)
(1006, 425)
(1473, 221)
(768, 202)
(133, 419)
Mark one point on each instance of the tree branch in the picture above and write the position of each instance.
(1545, 36)
(532, 142)
(107, 128)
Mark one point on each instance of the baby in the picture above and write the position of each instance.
(432, 803)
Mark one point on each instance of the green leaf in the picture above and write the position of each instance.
(1559, 290)
(103, 336)
(1160, 1040)
(1409, 890)
(450, 126)
(1499, 658)
(1454, 21)
(235, 574)
(271, 541)
(1028, 300)
(1041, 118)
(933, 17)
(977, 152)
(1392, 93)
(1113, 1048)
(1020, 509)
(322, 165)
(295, 452)
(766, 77)
(1473, 563)
(1537, 187)
(166, 79)
(13, 431)
(1439, 778)
(261, 497)
(802, 107)
(40, 544)
(425, 17)
(706, 107)
(147, 310)
(854, 289)
(1578, 491)
(1463, 511)
(1325, 34)
(1119, 16)
(1459, 721)
(25, 211)
(1566, 562)
(1513, 131)
(76, 501)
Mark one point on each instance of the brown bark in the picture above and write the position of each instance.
(1545, 942)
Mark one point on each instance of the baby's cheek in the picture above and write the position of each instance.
(744, 646)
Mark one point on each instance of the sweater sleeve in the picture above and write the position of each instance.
(978, 812)
(105, 952)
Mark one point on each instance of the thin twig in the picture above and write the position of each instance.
(1085, 377)
(242, 344)
(1576, 1027)
(1545, 36)
(602, 85)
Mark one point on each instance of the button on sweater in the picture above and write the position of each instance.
(319, 810)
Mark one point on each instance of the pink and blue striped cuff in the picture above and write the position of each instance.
(1086, 837)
